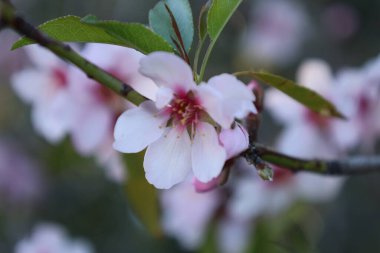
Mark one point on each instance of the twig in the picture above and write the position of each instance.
(9, 18)
(348, 166)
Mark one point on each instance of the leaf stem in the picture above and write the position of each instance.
(205, 59)
(196, 57)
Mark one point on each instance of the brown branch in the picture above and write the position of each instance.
(355, 165)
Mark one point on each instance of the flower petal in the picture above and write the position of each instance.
(207, 155)
(163, 97)
(138, 127)
(92, 127)
(167, 70)
(123, 63)
(226, 98)
(167, 161)
(234, 140)
(42, 57)
(30, 85)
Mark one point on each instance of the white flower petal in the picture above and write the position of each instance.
(163, 97)
(234, 140)
(231, 87)
(52, 118)
(124, 64)
(92, 128)
(315, 74)
(226, 98)
(211, 100)
(207, 155)
(283, 108)
(167, 70)
(30, 85)
(167, 161)
(138, 127)
(42, 57)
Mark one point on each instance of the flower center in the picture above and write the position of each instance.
(185, 109)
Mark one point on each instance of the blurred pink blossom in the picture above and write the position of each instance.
(52, 238)
(277, 31)
(20, 180)
(186, 213)
(45, 87)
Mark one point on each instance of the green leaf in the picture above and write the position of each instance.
(219, 14)
(202, 22)
(133, 35)
(303, 95)
(142, 196)
(161, 23)
(71, 29)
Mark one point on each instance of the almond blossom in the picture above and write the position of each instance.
(187, 213)
(44, 86)
(97, 107)
(276, 33)
(181, 126)
(52, 238)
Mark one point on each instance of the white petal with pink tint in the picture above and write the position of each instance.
(238, 97)
(52, 119)
(30, 85)
(163, 97)
(211, 100)
(282, 107)
(138, 127)
(207, 155)
(315, 74)
(225, 98)
(167, 161)
(167, 70)
(94, 127)
(42, 57)
(234, 140)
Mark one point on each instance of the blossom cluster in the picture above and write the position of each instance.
(186, 127)
(65, 102)
(355, 92)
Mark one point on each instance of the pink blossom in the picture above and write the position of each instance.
(187, 213)
(51, 238)
(358, 96)
(181, 126)
(21, 183)
(97, 107)
(44, 86)
(276, 33)
(307, 134)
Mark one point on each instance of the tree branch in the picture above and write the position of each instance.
(349, 166)
(9, 18)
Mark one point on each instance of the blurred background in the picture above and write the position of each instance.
(51, 183)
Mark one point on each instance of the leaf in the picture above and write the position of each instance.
(71, 29)
(303, 95)
(219, 14)
(160, 21)
(141, 195)
(133, 35)
(202, 22)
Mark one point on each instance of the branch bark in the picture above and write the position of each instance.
(355, 165)
(8, 17)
